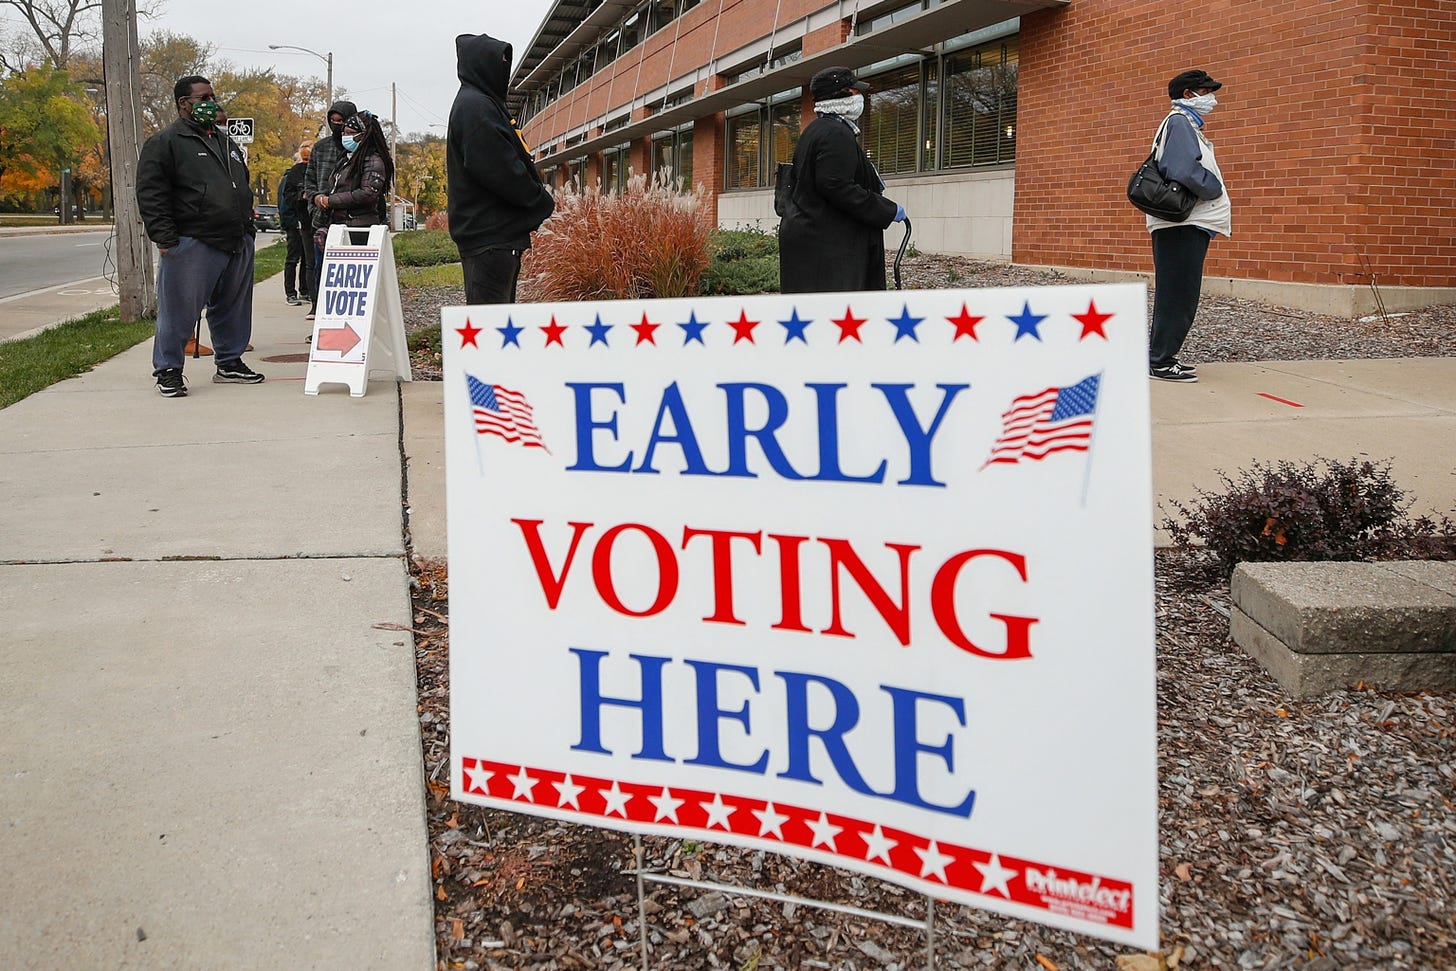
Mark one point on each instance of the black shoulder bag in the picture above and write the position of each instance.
(1153, 192)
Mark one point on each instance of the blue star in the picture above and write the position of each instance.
(599, 332)
(794, 327)
(905, 325)
(1026, 322)
(692, 330)
(510, 334)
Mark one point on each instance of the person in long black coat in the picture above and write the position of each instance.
(832, 234)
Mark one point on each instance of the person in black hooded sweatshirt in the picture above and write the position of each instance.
(495, 195)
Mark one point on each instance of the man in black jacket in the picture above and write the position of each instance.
(194, 197)
(496, 197)
(298, 264)
(832, 235)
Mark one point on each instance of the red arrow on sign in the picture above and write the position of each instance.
(343, 339)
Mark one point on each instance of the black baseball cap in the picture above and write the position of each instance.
(1191, 81)
(832, 80)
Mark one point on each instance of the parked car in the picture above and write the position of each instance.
(266, 218)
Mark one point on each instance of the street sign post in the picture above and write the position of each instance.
(240, 130)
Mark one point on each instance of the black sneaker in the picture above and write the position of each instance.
(236, 372)
(170, 384)
(1186, 368)
(1173, 372)
(294, 301)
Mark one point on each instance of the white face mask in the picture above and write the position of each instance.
(855, 109)
(1201, 103)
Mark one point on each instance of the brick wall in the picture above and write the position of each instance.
(1335, 131)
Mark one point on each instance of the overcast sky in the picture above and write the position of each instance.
(374, 43)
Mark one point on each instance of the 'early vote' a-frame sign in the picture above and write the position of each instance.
(861, 578)
(358, 327)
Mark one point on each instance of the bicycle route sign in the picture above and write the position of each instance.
(240, 130)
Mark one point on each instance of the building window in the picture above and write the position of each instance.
(672, 158)
(616, 169)
(631, 32)
(979, 113)
(891, 126)
(659, 14)
(576, 173)
(607, 49)
(686, 6)
(889, 17)
(745, 151)
(784, 121)
(760, 137)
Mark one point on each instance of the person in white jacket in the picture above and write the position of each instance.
(1179, 248)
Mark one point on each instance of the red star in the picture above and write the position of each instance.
(743, 328)
(965, 324)
(644, 331)
(467, 334)
(554, 332)
(1092, 321)
(849, 326)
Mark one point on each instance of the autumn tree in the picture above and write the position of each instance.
(44, 127)
(420, 172)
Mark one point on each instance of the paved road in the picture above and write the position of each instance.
(36, 262)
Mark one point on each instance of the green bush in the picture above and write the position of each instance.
(1320, 510)
(425, 339)
(744, 261)
(424, 247)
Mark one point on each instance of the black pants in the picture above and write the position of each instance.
(298, 264)
(1178, 254)
(490, 277)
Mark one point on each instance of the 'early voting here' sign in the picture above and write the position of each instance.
(860, 578)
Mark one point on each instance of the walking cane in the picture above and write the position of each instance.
(904, 245)
(197, 336)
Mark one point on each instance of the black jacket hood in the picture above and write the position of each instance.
(483, 62)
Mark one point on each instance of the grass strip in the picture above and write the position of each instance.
(441, 275)
(34, 363)
(64, 351)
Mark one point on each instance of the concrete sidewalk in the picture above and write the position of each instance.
(208, 729)
(1399, 409)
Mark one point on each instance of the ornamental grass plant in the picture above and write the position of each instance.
(650, 240)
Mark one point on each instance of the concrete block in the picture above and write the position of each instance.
(1305, 675)
(1346, 608)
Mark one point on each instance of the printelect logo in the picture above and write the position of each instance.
(1090, 894)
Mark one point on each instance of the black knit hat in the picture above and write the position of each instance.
(832, 81)
(1190, 81)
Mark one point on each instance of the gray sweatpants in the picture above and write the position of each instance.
(193, 275)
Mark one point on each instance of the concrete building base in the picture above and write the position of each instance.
(1340, 300)
(1321, 626)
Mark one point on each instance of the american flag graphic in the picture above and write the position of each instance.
(504, 413)
(1054, 420)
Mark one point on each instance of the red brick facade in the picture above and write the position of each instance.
(1336, 129)
(1336, 133)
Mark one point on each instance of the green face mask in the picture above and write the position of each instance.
(205, 112)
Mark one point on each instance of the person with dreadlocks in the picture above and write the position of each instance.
(358, 193)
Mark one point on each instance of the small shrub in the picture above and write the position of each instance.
(647, 241)
(426, 339)
(745, 261)
(438, 220)
(424, 247)
(1320, 510)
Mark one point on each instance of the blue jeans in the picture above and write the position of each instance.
(194, 275)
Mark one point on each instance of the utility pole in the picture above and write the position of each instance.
(135, 268)
(394, 123)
